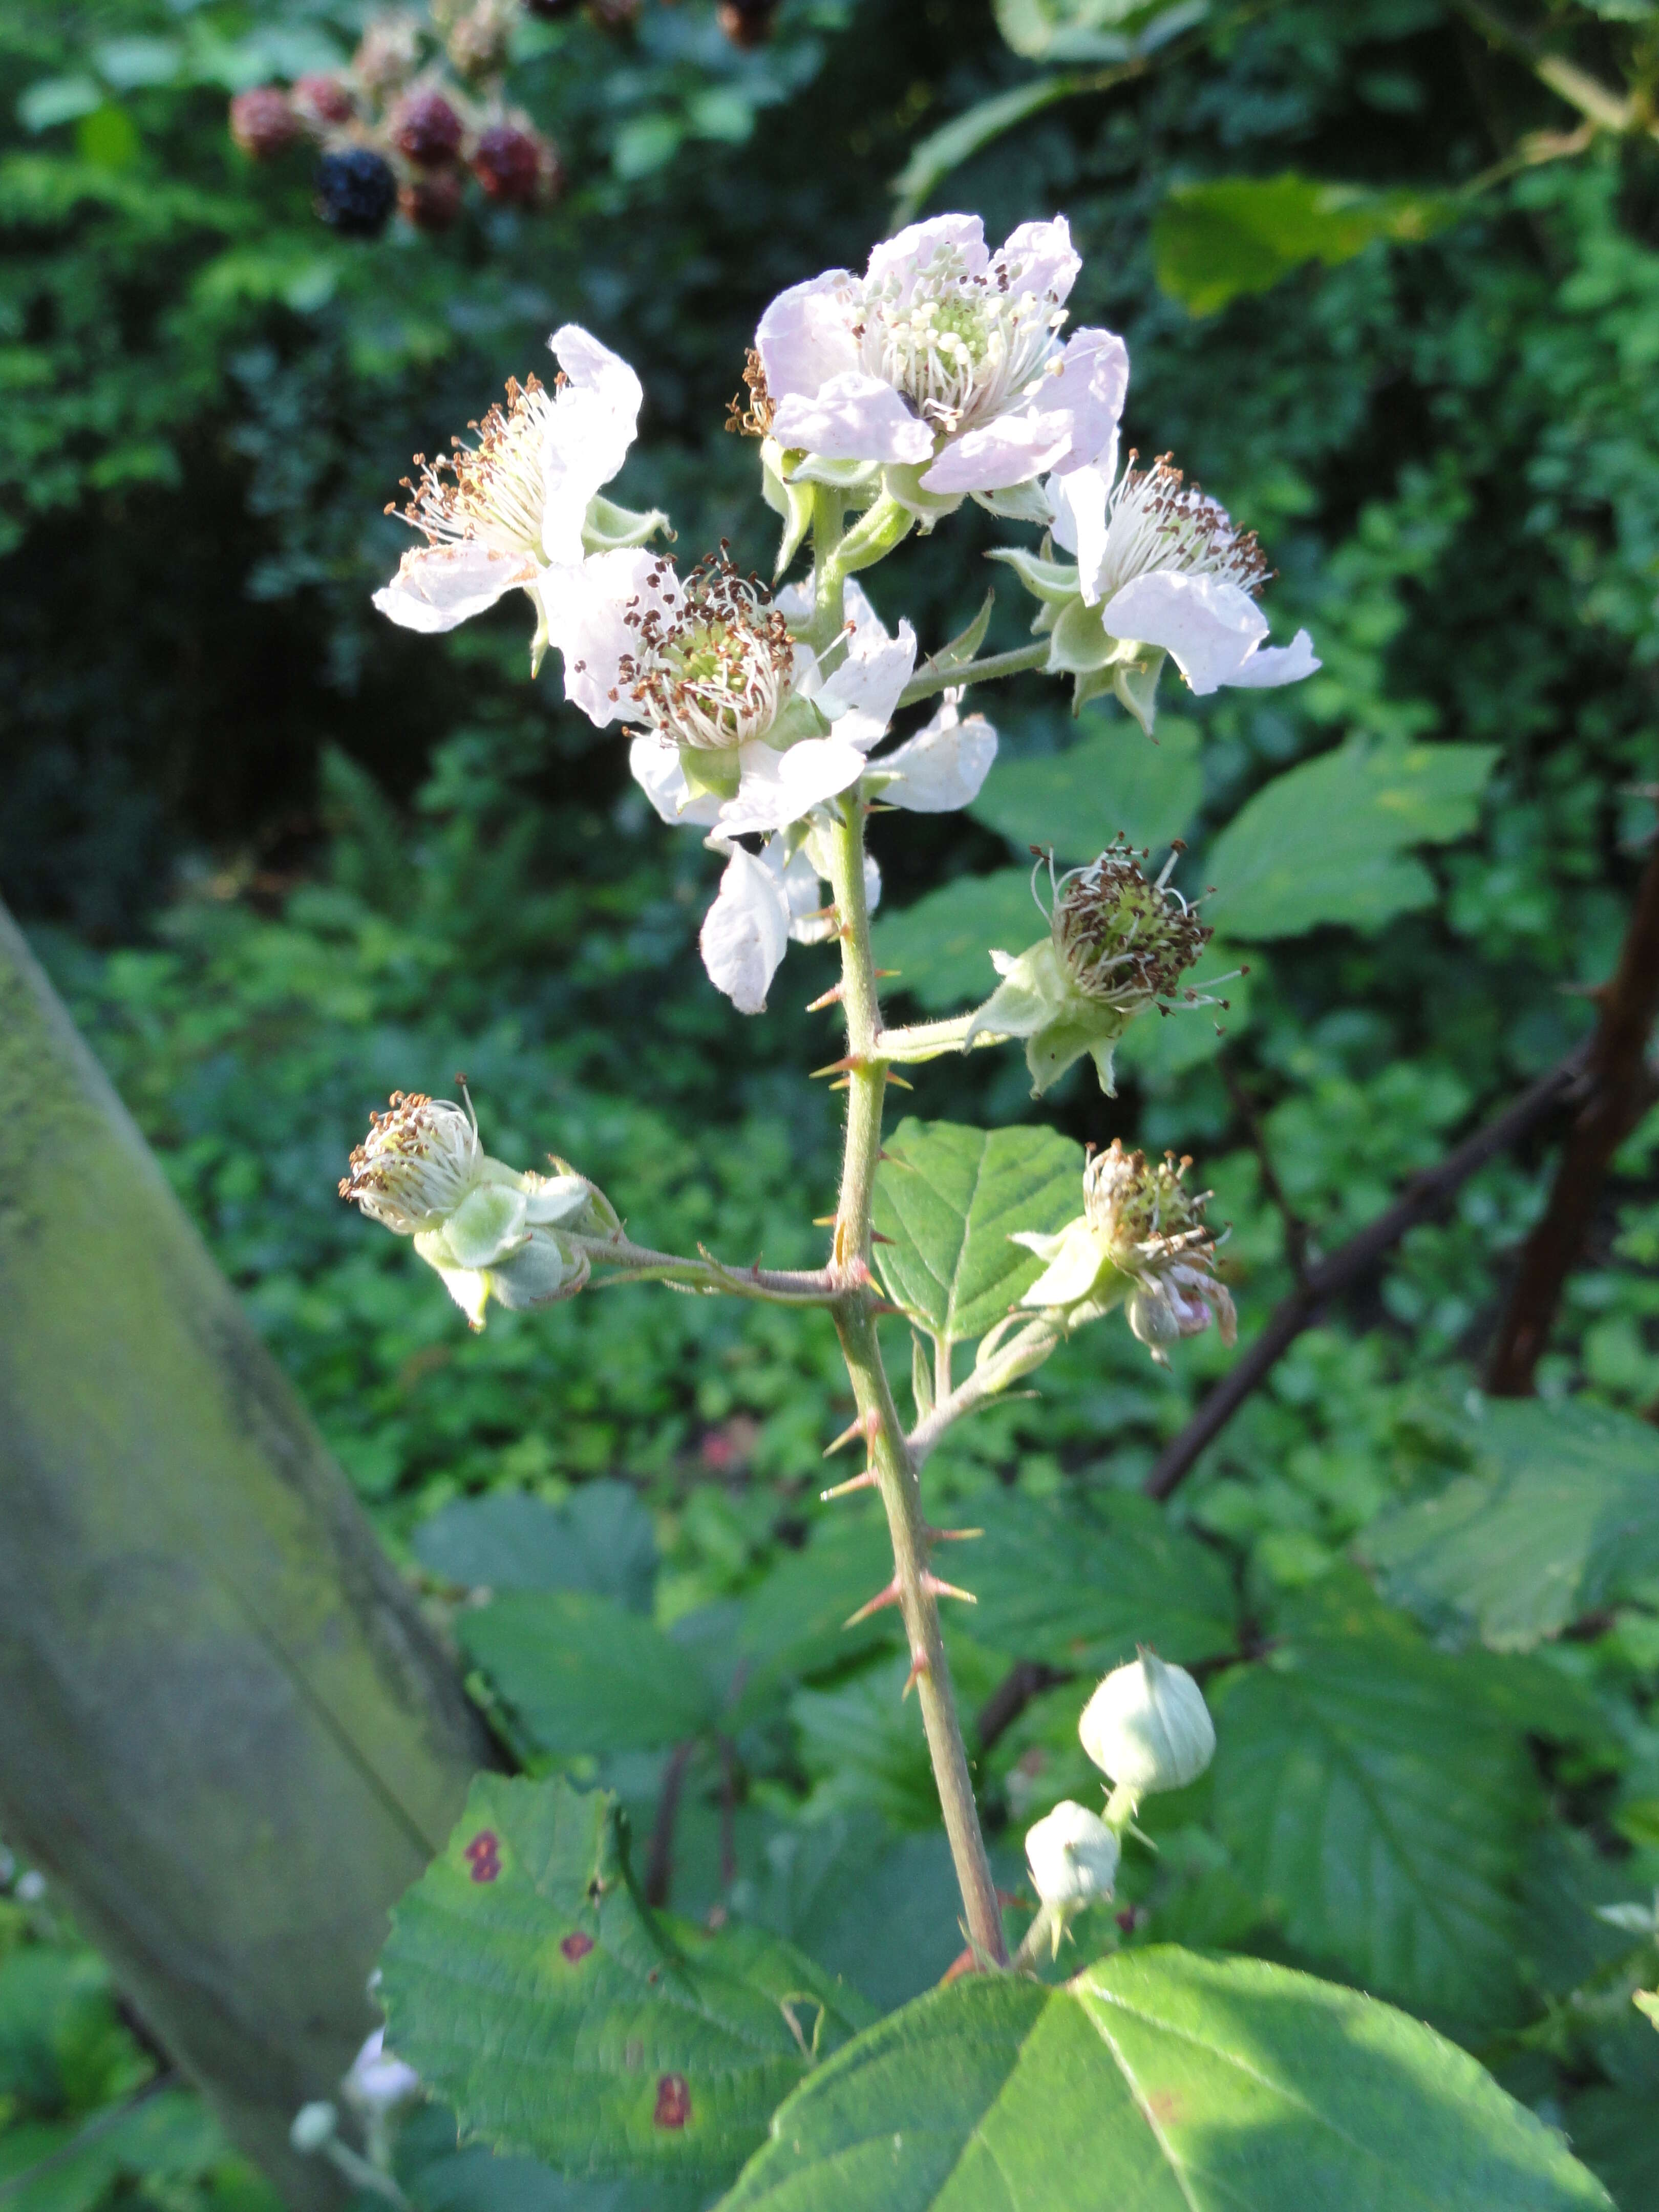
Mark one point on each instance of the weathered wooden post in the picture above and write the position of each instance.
(224, 1728)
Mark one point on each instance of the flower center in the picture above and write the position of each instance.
(1156, 520)
(713, 665)
(960, 347)
(1125, 941)
(419, 1160)
(493, 493)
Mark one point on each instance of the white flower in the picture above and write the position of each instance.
(1139, 1242)
(1147, 1727)
(487, 1230)
(1166, 568)
(496, 513)
(377, 2081)
(946, 358)
(765, 901)
(749, 730)
(1072, 1855)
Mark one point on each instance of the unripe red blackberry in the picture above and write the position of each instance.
(747, 23)
(262, 121)
(427, 129)
(433, 203)
(321, 103)
(507, 162)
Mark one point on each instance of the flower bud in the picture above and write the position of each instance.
(313, 2126)
(1072, 1855)
(488, 1230)
(262, 121)
(1147, 1728)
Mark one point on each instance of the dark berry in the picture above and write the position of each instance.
(507, 163)
(552, 11)
(427, 129)
(262, 122)
(356, 192)
(322, 102)
(747, 23)
(431, 203)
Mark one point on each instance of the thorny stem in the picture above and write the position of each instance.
(1017, 1356)
(889, 1459)
(928, 1039)
(929, 678)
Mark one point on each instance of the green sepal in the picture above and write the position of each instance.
(859, 480)
(1054, 582)
(902, 482)
(1026, 502)
(799, 718)
(1038, 1001)
(1081, 642)
(715, 770)
(606, 528)
(1135, 682)
(788, 495)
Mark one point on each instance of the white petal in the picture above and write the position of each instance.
(1078, 502)
(912, 248)
(655, 765)
(594, 417)
(942, 766)
(998, 455)
(779, 788)
(852, 417)
(1209, 624)
(862, 695)
(586, 606)
(438, 585)
(745, 932)
(1091, 387)
(1042, 257)
(806, 336)
(1272, 665)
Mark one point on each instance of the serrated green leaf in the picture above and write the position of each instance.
(1613, 2131)
(1565, 1519)
(949, 1198)
(438, 2175)
(1115, 783)
(1163, 2081)
(1324, 842)
(1378, 1801)
(584, 1676)
(1080, 1582)
(531, 1991)
(941, 946)
(601, 1539)
(1215, 241)
(794, 1618)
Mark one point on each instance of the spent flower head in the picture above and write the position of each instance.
(489, 1230)
(1139, 1242)
(1117, 944)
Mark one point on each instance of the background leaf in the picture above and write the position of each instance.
(1379, 1802)
(584, 1676)
(1165, 2081)
(1079, 1582)
(941, 945)
(530, 1988)
(1213, 241)
(1325, 843)
(1115, 781)
(949, 1197)
(1565, 1519)
(599, 1539)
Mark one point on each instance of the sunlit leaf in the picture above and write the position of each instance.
(949, 1199)
(584, 1676)
(1213, 241)
(599, 1539)
(1164, 2080)
(1116, 781)
(941, 946)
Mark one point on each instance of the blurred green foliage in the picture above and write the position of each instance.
(283, 860)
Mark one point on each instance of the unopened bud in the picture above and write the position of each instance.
(313, 2127)
(1072, 1855)
(1147, 1728)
